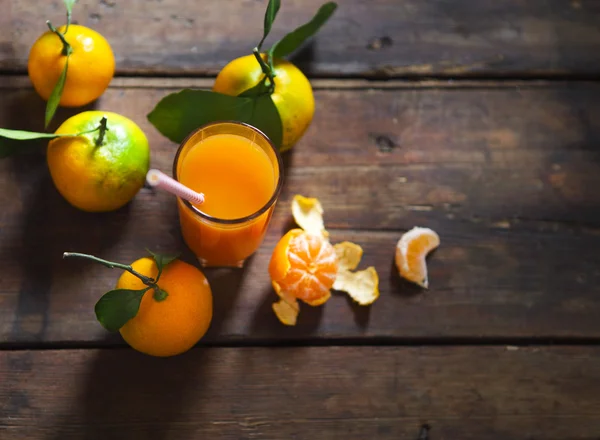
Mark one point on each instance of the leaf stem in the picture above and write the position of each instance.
(267, 70)
(111, 264)
(68, 21)
(67, 49)
(261, 43)
(103, 128)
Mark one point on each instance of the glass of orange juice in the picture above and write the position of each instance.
(239, 171)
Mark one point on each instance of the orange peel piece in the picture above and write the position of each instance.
(287, 308)
(411, 250)
(286, 313)
(361, 286)
(280, 264)
(349, 255)
(308, 214)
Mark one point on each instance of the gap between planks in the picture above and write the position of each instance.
(131, 82)
(509, 343)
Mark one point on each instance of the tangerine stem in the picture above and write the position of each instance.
(67, 49)
(103, 128)
(111, 264)
(69, 14)
(266, 69)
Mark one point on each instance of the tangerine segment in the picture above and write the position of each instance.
(304, 266)
(319, 301)
(411, 250)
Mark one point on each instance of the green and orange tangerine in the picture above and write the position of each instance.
(292, 92)
(101, 170)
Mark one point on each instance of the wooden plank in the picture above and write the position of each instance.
(483, 284)
(475, 155)
(506, 177)
(326, 392)
(383, 38)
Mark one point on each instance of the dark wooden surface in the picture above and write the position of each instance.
(502, 160)
(507, 175)
(285, 393)
(382, 38)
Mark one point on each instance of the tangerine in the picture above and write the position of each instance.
(100, 177)
(175, 324)
(304, 266)
(91, 65)
(293, 95)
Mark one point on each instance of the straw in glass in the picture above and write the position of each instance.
(160, 180)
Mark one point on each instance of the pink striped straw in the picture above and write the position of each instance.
(160, 180)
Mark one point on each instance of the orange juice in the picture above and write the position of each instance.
(238, 171)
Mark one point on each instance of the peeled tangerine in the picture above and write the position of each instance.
(305, 266)
(411, 250)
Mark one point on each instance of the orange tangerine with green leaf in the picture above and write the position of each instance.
(70, 66)
(262, 89)
(91, 64)
(292, 93)
(162, 306)
(102, 168)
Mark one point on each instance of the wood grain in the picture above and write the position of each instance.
(327, 392)
(383, 38)
(491, 155)
(506, 176)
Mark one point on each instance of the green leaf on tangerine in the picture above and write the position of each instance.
(162, 261)
(13, 141)
(22, 135)
(54, 99)
(69, 5)
(178, 114)
(270, 14)
(258, 90)
(264, 115)
(294, 39)
(118, 306)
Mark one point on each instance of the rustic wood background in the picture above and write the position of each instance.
(479, 119)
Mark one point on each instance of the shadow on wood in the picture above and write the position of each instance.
(145, 395)
(46, 232)
(225, 285)
(265, 323)
(362, 314)
(304, 57)
(402, 286)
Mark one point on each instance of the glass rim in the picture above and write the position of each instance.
(247, 218)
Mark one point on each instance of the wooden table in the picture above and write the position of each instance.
(479, 119)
